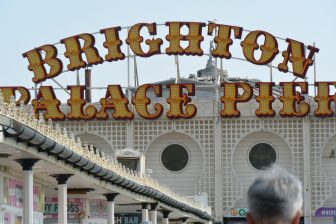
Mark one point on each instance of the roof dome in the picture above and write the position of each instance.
(210, 71)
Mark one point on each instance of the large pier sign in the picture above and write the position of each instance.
(295, 52)
(180, 106)
(45, 64)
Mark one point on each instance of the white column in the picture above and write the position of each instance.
(154, 216)
(87, 210)
(218, 168)
(144, 213)
(1, 194)
(1, 187)
(28, 197)
(142, 164)
(62, 197)
(165, 214)
(154, 207)
(130, 133)
(110, 207)
(28, 193)
(110, 212)
(62, 204)
(306, 172)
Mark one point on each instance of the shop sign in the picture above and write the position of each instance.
(127, 218)
(7, 218)
(52, 208)
(96, 221)
(325, 212)
(13, 194)
(98, 211)
(98, 208)
(75, 207)
(236, 213)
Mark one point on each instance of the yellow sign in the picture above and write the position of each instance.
(179, 101)
(45, 64)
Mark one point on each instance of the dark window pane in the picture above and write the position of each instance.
(129, 162)
(174, 157)
(262, 156)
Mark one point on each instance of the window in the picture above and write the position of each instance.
(175, 157)
(262, 156)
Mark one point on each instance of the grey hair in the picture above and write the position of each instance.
(274, 195)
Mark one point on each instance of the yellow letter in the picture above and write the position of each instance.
(9, 91)
(116, 100)
(113, 43)
(134, 40)
(268, 50)
(265, 99)
(36, 63)
(177, 99)
(230, 98)
(223, 39)
(290, 98)
(295, 53)
(324, 99)
(47, 101)
(140, 101)
(194, 38)
(74, 51)
(77, 102)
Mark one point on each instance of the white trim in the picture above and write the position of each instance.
(307, 196)
(127, 153)
(155, 137)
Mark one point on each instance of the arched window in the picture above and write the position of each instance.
(174, 157)
(262, 156)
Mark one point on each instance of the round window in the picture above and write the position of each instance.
(262, 156)
(175, 157)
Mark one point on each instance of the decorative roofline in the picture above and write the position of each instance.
(54, 133)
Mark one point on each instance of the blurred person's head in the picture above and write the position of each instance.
(274, 197)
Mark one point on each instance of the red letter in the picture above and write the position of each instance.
(116, 100)
(268, 50)
(74, 51)
(265, 99)
(290, 98)
(47, 101)
(9, 91)
(141, 101)
(295, 53)
(230, 98)
(177, 99)
(77, 102)
(194, 38)
(113, 43)
(324, 99)
(134, 40)
(223, 39)
(36, 63)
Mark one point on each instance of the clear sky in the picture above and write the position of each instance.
(28, 24)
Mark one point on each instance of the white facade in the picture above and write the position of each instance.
(218, 150)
